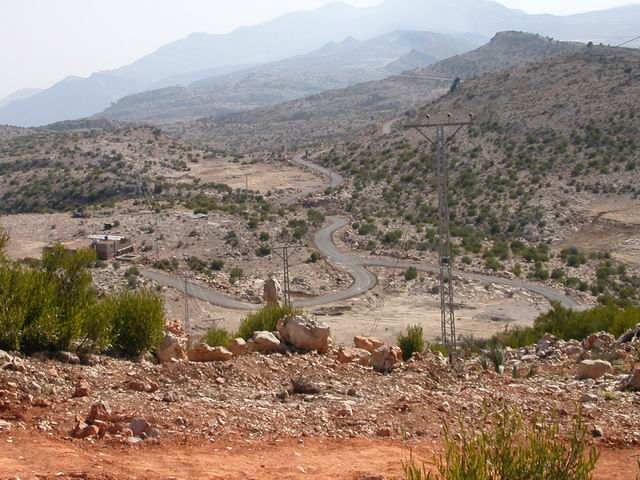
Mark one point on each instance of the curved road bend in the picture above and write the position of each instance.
(363, 279)
(335, 180)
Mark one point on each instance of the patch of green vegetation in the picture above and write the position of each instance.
(570, 324)
(52, 306)
(505, 446)
(412, 341)
(265, 319)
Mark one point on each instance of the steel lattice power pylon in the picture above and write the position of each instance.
(447, 311)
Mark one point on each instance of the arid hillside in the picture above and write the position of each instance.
(342, 114)
(553, 142)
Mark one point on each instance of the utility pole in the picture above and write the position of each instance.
(187, 323)
(286, 287)
(447, 311)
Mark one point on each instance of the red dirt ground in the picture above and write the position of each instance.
(37, 456)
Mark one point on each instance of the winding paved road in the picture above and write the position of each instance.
(356, 266)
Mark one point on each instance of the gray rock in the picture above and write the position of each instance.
(589, 398)
(139, 427)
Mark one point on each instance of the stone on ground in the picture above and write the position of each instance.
(264, 342)
(204, 353)
(386, 358)
(172, 348)
(238, 347)
(593, 369)
(367, 343)
(304, 333)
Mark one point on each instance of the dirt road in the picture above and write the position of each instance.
(38, 456)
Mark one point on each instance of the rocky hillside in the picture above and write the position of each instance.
(504, 51)
(336, 65)
(68, 168)
(340, 114)
(550, 138)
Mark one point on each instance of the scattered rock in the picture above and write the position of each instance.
(82, 430)
(82, 389)
(386, 358)
(139, 427)
(384, 432)
(354, 355)
(593, 368)
(204, 353)
(171, 397)
(601, 341)
(99, 411)
(238, 347)
(367, 343)
(300, 386)
(172, 348)
(589, 398)
(632, 382)
(5, 426)
(264, 342)
(597, 431)
(305, 334)
(67, 357)
(137, 386)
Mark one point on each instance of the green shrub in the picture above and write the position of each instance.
(217, 337)
(167, 265)
(496, 355)
(504, 446)
(265, 319)
(216, 265)
(263, 251)
(138, 321)
(410, 273)
(569, 324)
(235, 274)
(412, 341)
(51, 305)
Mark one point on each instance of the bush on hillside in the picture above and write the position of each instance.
(137, 319)
(217, 337)
(412, 341)
(570, 324)
(265, 319)
(505, 446)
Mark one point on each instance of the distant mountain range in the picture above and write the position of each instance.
(19, 95)
(202, 56)
(336, 65)
(346, 113)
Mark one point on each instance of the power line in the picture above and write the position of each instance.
(447, 311)
(629, 41)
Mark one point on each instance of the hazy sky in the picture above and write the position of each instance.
(42, 41)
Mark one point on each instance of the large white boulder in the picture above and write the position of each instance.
(305, 333)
